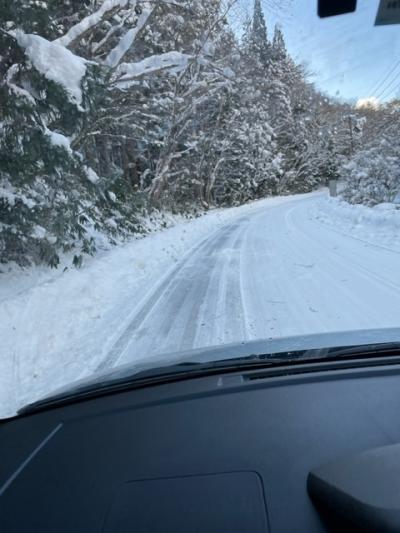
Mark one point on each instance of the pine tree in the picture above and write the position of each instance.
(43, 205)
(278, 49)
(259, 45)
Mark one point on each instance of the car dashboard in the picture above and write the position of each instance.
(227, 452)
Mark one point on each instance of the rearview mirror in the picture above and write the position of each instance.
(330, 8)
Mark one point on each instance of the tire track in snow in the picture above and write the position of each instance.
(178, 328)
(272, 294)
(194, 318)
(169, 284)
(142, 309)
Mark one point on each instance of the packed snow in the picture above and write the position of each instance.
(276, 267)
(55, 62)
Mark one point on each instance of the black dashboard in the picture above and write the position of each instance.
(229, 452)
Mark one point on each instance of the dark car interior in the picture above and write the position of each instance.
(306, 447)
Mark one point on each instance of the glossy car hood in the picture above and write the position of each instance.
(231, 351)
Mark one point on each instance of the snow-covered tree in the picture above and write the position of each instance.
(45, 195)
(109, 107)
(372, 172)
(373, 175)
(257, 38)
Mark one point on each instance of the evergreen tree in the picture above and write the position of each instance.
(45, 202)
(278, 49)
(258, 41)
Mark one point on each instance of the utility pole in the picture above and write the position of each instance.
(351, 135)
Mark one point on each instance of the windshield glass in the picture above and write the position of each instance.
(192, 174)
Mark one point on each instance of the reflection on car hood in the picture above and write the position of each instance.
(232, 351)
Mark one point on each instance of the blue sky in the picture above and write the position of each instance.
(347, 55)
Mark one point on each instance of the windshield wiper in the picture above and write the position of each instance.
(192, 369)
(369, 350)
(154, 376)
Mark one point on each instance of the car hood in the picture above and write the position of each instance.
(308, 343)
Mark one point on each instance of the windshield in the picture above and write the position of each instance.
(192, 174)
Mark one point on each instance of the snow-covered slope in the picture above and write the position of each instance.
(378, 225)
(273, 268)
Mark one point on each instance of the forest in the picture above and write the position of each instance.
(111, 109)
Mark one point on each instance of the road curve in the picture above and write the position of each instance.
(273, 273)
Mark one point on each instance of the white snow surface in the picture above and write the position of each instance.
(55, 62)
(277, 267)
(379, 225)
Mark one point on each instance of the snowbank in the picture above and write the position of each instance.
(379, 225)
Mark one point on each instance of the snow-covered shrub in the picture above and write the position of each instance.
(372, 175)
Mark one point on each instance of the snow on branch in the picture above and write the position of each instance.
(78, 30)
(16, 89)
(55, 62)
(97, 46)
(127, 40)
(128, 72)
(57, 139)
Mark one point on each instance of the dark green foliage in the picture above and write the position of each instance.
(258, 41)
(48, 19)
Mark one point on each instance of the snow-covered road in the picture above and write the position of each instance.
(274, 272)
(273, 268)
